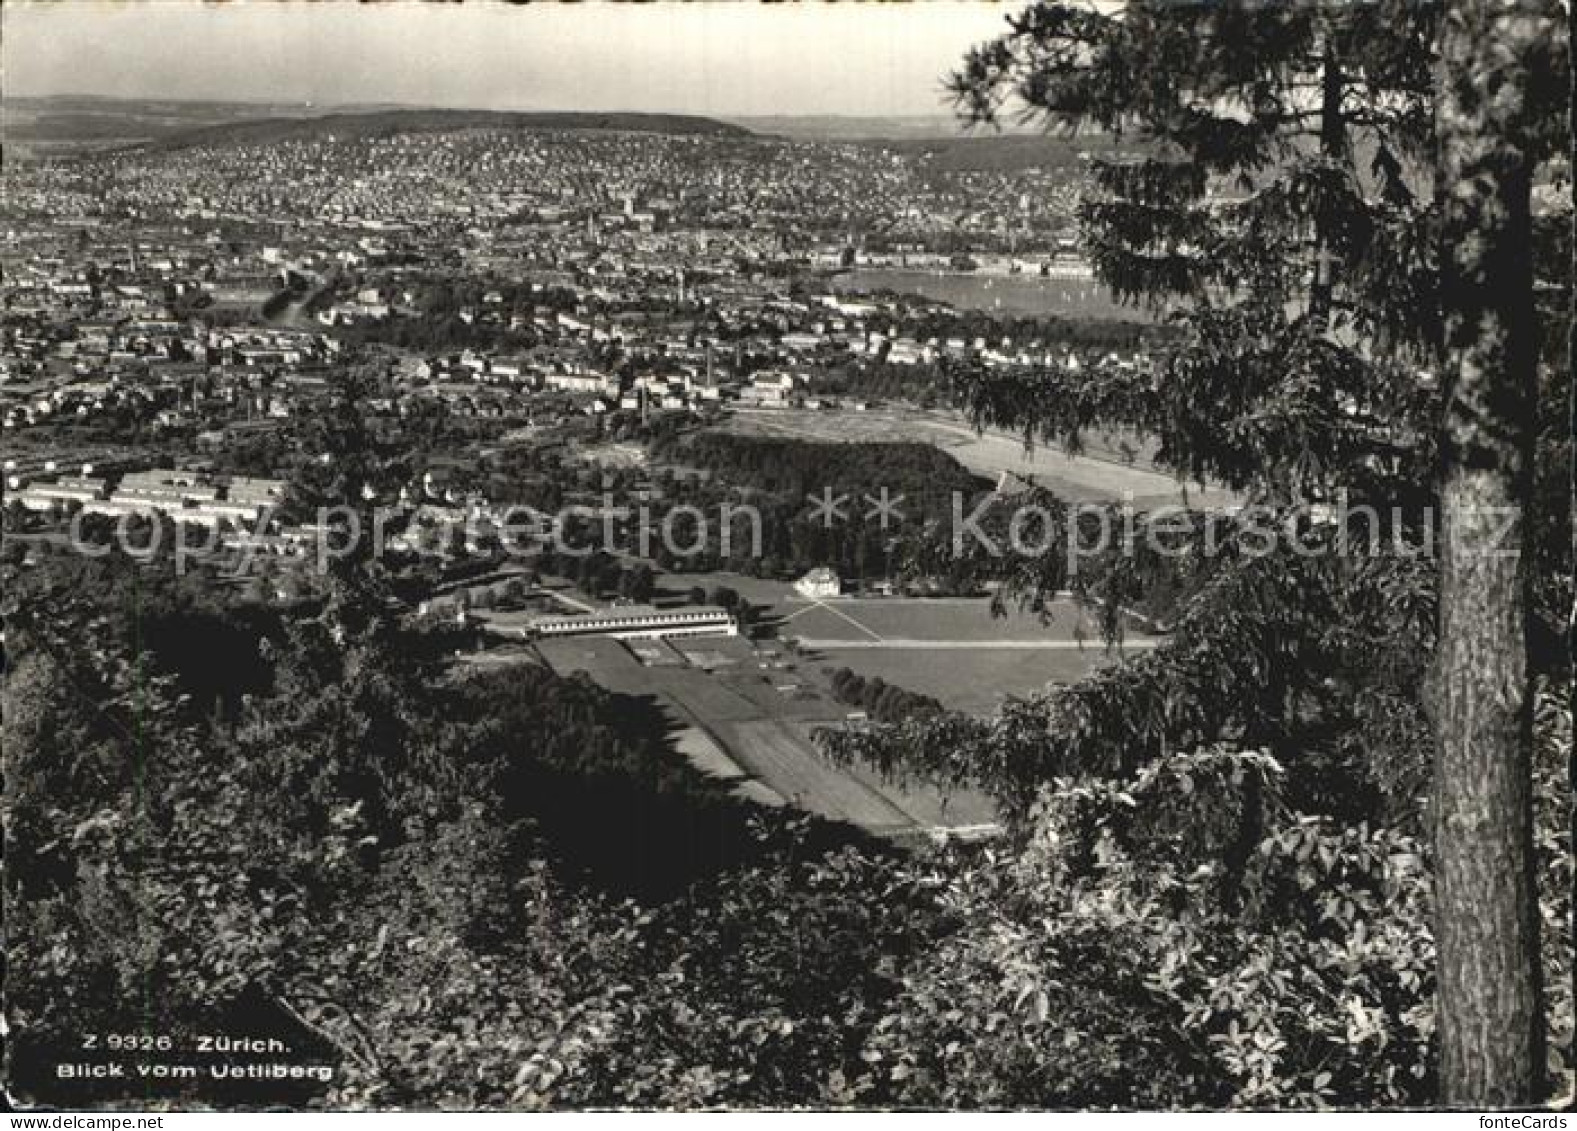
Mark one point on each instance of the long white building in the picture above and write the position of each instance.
(633, 621)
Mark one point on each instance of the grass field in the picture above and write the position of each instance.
(934, 618)
(707, 756)
(749, 719)
(773, 752)
(949, 619)
(1100, 476)
(739, 725)
(606, 660)
(950, 648)
(1005, 294)
(764, 593)
(975, 681)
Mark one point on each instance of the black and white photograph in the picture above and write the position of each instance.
(937, 556)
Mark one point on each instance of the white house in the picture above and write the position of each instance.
(819, 584)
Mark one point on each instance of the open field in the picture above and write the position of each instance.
(774, 753)
(935, 618)
(613, 455)
(762, 592)
(711, 653)
(929, 806)
(747, 716)
(606, 660)
(1102, 476)
(1005, 294)
(924, 618)
(951, 648)
(740, 725)
(707, 756)
(507, 656)
(974, 681)
(704, 697)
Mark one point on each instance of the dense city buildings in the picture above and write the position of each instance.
(188, 300)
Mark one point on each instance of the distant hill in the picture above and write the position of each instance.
(834, 127)
(156, 109)
(944, 140)
(67, 123)
(383, 123)
(74, 123)
(78, 123)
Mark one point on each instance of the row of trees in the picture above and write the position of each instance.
(884, 701)
(801, 467)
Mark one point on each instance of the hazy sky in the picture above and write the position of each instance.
(727, 59)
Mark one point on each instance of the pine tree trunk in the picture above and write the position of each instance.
(1333, 146)
(1490, 1002)
(1571, 361)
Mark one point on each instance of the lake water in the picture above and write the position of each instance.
(1002, 294)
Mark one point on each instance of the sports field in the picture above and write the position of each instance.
(950, 648)
(752, 727)
(745, 714)
(967, 620)
(973, 680)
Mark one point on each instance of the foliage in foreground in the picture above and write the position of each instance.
(348, 861)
